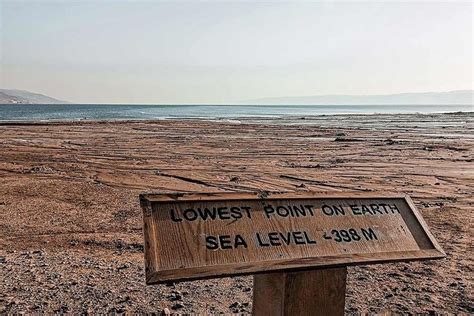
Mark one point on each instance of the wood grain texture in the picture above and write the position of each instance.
(227, 196)
(280, 231)
(303, 293)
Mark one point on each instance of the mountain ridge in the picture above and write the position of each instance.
(16, 96)
(455, 97)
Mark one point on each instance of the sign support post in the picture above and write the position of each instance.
(314, 292)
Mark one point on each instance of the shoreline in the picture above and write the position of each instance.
(84, 112)
(241, 119)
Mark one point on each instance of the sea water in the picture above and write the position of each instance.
(42, 112)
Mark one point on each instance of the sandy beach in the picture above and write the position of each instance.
(71, 225)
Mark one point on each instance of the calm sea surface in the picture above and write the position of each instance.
(33, 112)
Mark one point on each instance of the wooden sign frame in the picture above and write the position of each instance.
(429, 248)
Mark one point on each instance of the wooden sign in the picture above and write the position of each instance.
(193, 236)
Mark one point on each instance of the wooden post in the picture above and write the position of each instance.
(313, 292)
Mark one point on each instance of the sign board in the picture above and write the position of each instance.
(193, 236)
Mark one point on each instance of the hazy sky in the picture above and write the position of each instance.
(225, 52)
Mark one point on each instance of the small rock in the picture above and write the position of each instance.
(124, 300)
(175, 296)
(177, 306)
(123, 266)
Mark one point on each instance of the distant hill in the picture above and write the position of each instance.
(25, 97)
(458, 97)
